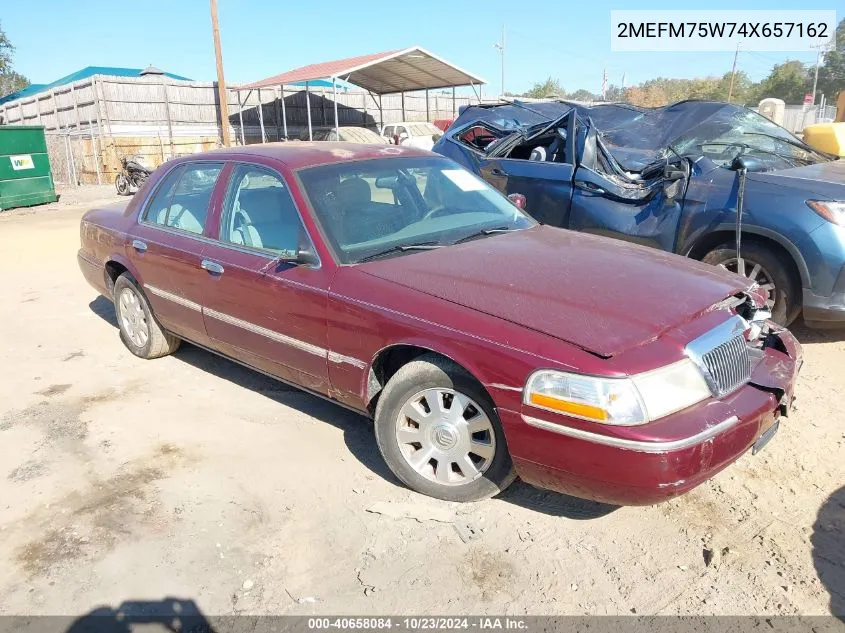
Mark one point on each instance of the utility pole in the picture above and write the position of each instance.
(733, 74)
(816, 76)
(221, 82)
(501, 48)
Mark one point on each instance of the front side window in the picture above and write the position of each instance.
(260, 213)
(182, 200)
(367, 207)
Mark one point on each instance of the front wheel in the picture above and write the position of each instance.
(121, 183)
(439, 433)
(771, 273)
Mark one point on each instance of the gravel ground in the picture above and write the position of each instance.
(190, 476)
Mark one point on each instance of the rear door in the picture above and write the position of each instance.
(167, 243)
(264, 312)
(547, 187)
(546, 182)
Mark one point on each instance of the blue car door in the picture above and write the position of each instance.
(547, 186)
(647, 211)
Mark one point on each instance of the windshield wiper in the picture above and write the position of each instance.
(482, 233)
(420, 246)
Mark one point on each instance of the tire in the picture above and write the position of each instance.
(786, 292)
(447, 473)
(121, 183)
(139, 330)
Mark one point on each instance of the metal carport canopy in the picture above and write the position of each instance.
(404, 70)
(401, 71)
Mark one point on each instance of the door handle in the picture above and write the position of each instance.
(213, 267)
(139, 246)
(592, 187)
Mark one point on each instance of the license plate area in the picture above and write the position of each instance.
(765, 438)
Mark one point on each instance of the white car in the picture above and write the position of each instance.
(419, 134)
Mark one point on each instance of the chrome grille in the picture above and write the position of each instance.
(728, 364)
(722, 356)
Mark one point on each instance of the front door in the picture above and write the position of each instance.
(166, 245)
(643, 215)
(267, 313)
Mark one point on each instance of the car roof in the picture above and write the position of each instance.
(299, 154)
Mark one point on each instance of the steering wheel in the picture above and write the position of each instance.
(438, 210)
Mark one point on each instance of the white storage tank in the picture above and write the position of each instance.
(772, 109)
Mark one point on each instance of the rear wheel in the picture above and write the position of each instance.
(121, 183)
(439, 432)
(772, 274)
(139, 330)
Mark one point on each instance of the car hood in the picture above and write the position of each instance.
(821, 179)
(602, 295)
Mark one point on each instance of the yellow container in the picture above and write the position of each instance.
(827, 137)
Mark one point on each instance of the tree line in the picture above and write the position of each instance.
(10, 81)
(789, 81)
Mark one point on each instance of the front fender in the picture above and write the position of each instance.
(370, 385)
(722, 227)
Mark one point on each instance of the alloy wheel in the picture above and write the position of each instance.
(755, 272)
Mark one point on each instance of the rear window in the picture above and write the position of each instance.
(423, 129)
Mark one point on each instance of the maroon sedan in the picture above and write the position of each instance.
(484, 346)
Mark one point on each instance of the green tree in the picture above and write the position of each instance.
(789, 81)
(549, 88)
(614, 93)
(832, 72)
(10, 81)
(581, 95)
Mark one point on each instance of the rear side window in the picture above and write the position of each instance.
(157, 208)
(182, 200)
(479, 137)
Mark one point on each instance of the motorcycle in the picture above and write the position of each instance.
(131, 177)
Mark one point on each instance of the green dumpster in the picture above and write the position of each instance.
(25, 177)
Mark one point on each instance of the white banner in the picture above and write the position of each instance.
(722, 30)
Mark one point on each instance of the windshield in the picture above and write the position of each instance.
(368, 207)
(733, 132)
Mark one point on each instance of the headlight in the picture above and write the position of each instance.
(620, 401)
(830, 210)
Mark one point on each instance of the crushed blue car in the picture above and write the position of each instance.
(673, 178)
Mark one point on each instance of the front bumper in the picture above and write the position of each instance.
(660, 460)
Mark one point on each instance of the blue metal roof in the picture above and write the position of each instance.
(84, 73)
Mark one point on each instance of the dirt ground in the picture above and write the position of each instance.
(190, 476)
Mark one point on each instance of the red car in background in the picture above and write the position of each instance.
(484, 346)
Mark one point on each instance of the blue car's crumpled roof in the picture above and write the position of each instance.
(634, 136)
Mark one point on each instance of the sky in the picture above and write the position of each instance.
(562, 39)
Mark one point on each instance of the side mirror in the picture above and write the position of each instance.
(307, 256)
(673, 182)
(748, 163)
(518, 200)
